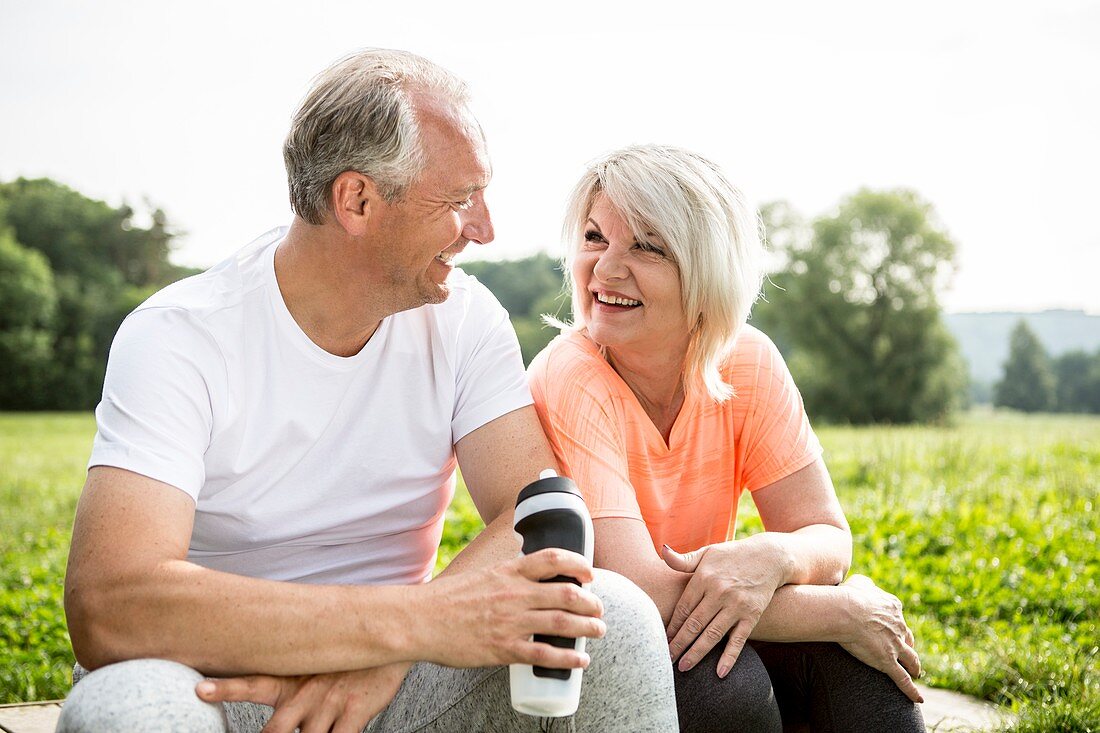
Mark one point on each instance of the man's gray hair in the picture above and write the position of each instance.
(358, 116)
(713, 236)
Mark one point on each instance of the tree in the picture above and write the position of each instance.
(1077, 375)
(1028, 383)
(85, 263)
(28, 306)
(853, 303)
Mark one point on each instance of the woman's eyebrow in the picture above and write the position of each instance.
(593, 223)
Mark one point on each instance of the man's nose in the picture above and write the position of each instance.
(478, 225)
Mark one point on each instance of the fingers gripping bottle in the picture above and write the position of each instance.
(551, 513)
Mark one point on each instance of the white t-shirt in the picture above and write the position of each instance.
(304, 466)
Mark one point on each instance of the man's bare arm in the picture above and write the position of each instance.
(497, 461)
(130, 593)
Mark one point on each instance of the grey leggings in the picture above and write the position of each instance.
(808, 686)
(628, 687)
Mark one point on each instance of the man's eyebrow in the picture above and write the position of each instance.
(471, 189)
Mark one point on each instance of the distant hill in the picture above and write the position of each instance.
(983, 337)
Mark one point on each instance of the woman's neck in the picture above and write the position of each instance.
(657, 379)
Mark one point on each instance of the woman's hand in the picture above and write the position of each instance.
(878, 635)
(343, 702)
(731, 585)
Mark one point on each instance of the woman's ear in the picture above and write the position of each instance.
(354, 196)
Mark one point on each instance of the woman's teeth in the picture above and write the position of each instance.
(615, 300)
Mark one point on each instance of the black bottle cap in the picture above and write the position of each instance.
(554, 484)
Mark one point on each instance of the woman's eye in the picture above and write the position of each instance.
(594, 237)
(649, 248)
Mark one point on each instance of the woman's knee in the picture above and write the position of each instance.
(142, 694)
(742, 701)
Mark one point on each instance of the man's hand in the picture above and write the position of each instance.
(731, 586)
(343, 702)
(878, 635)
(487, 617)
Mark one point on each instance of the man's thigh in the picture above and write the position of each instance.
(628, 686)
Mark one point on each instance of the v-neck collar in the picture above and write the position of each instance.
(653, 434)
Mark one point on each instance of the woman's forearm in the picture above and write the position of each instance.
(819, 554)
(807, 613)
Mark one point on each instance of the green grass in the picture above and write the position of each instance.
(987, 531)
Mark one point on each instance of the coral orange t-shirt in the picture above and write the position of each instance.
(687, 491)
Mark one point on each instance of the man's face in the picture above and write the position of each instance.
(441, 213)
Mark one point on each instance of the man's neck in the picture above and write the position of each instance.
(326, 289)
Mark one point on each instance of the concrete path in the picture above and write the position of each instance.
(950, 712)
(944, 712)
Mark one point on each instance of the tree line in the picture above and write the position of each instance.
(71, 268)
(851, 302)
(1033, 381)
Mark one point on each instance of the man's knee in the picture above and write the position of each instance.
(633, 623)
(628, 686)
(143, 694)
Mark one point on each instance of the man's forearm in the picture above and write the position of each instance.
(494, 544)
(225, 624)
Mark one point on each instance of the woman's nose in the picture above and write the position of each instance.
(610, 265)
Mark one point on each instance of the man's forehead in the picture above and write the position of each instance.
(456, 152)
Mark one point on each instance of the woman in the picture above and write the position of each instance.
(663, 405)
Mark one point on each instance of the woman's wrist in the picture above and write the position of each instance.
(780, 559)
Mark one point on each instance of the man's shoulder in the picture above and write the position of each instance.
(223, 286)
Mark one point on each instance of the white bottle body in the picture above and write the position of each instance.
(547, 696)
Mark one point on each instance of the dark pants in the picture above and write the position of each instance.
(807, 686)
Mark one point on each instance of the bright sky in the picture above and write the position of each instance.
(991, 110)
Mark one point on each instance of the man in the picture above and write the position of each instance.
(276, 449)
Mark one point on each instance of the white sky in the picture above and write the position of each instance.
(991, 110)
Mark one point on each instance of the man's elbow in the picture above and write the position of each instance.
(95, 626)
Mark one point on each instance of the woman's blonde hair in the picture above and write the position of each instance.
(711, 233)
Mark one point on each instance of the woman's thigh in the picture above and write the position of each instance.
(821, 687)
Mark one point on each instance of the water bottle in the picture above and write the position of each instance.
(551, 513)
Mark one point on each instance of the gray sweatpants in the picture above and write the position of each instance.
(628, 687)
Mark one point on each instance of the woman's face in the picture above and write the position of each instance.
(628, 288)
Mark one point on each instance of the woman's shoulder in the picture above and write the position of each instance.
(570, 362)
(750, 347)
(753, 360)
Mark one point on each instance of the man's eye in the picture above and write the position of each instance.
(463, 205)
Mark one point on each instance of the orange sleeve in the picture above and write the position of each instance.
(778, 439)
(581, 416)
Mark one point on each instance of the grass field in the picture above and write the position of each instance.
(987, 531)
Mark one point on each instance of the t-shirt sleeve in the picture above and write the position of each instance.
(155, 417)
(777, 433)
(489, 379)
(577, 411)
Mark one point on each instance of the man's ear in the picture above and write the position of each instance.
(354, 198)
